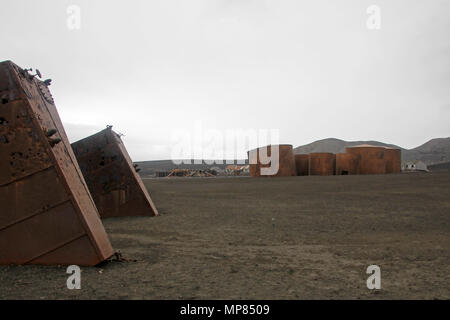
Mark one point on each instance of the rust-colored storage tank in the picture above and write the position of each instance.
(322, 164)
(372, 160)
(302, 164)
(286, 165)
(393, 160)
(347, 163)
(47, 215)
(115, 185)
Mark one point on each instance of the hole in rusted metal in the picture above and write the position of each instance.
(4, 139)
(4, 101)
(3, 121)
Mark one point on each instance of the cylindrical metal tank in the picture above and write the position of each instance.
(302, 164)
(322, 164)
(347, 163)
(372, 160)
(286, 161)
(393, 160)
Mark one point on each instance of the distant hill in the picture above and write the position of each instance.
(440, 167)
(431, 152)
(335, 146)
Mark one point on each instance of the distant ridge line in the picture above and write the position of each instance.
(432, 152)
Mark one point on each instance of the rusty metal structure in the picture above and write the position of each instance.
(362, 159)
(302, 164)
(286, 161)
(321, 164)
(113, 181)
(47, 214)
(393, 160)
(347, 163)
(371, 158)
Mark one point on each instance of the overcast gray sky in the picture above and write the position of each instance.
(311, 69)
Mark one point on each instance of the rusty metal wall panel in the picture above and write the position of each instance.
(322, 164)
(65, 227)
(372, 160)
(347, 163)
(286, 162)
(302, 164)
(18, 161)
(116, 187)
(79, 249)
(25, 197)
(47, 208)
(393, 160)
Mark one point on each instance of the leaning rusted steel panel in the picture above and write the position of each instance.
(286, 161)
(115, 185)
(322, 164)
(47, 215)
(302, 164)
(372, 159)
(393, 160)
(347, 163)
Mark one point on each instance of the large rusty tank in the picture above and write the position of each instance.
(322, 164)
(286, 161)
(372, 160)
(347, 163)
(115, 185)
(393, 160)
(302, 164)
(47, 215)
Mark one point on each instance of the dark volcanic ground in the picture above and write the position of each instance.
(280, 238)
